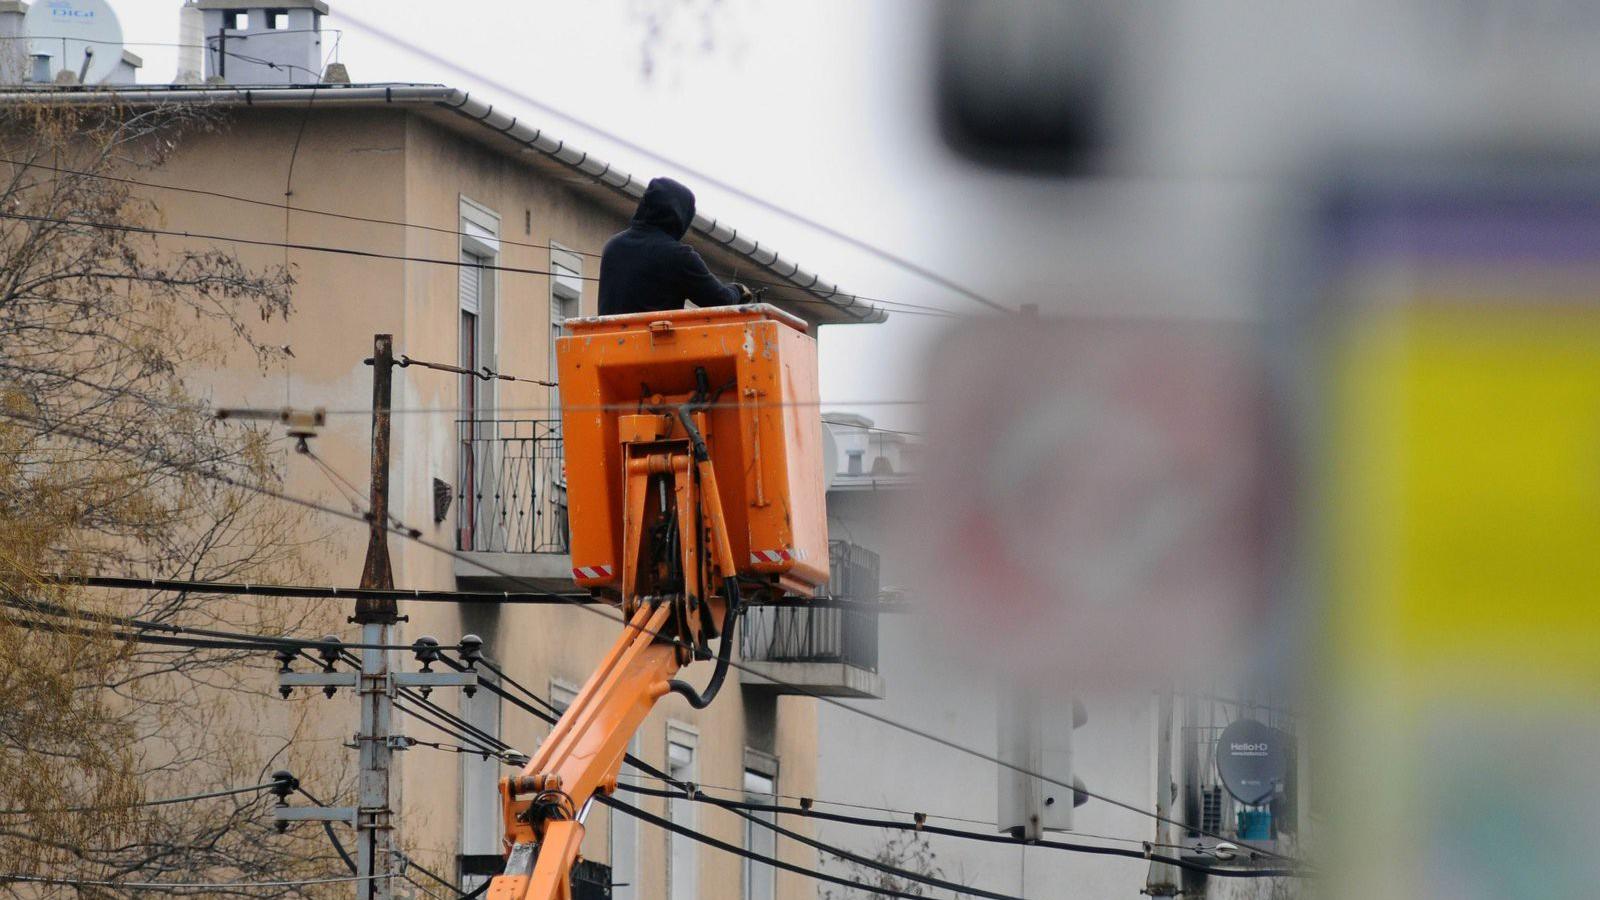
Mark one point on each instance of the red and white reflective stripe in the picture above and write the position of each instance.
(770, 556)
(591, 571)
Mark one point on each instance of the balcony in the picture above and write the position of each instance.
(511, 511)
(819, 650)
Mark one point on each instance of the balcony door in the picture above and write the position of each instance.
(478, 519)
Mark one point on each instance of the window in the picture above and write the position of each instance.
(236, 21)
(760, 786)
(853, 460)
(625, 847)
(480, 795)
(683, 868)
(276, 19)
(562, 694)
(566, 300)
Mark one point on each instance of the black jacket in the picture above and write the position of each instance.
(649, 268)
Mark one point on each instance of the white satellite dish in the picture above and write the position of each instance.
(79, 36)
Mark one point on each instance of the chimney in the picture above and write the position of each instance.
(15, 64)
(249, 42)
(191, 45)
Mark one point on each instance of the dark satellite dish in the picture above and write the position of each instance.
(1253, 759)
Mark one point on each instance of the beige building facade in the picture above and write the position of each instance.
(477, 235)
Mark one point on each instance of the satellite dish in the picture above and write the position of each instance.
(1253, 760)
(79, 36)
(830, 458)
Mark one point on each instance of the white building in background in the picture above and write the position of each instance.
(923, 684)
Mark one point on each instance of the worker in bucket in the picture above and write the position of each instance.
(648, 267)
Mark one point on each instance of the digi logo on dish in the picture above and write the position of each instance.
(65, 9)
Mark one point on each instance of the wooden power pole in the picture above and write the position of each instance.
(377, 861)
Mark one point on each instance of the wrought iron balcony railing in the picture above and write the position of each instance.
(511, 485)
(821, 634)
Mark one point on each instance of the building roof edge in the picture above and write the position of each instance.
(846, 308)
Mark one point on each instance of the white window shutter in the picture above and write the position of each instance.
(471, 284)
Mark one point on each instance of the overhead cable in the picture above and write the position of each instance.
(839, 852)
(341, 251)
(178, 887)
(418, 595)
(163, 801)
(700, 175)
(896, 305)
(175, 635)
(695, 792)
(948, 743)
(483, 374)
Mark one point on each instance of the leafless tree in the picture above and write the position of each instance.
(907, 851)
(105, 453)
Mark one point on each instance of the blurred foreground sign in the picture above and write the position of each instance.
(1090, 506)
(1460, 399)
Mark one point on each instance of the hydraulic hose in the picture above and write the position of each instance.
(730, 618)
(730, 615)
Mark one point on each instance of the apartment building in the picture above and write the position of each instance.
(478, 233)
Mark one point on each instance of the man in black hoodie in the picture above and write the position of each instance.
(649, 268)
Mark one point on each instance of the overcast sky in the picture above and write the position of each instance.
(819, 107)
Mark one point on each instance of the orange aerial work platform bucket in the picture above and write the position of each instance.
(763, 430)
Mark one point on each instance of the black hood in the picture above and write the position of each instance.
(666, 205)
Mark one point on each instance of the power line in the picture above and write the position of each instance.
(774, 827)
(695, 792)
(418, 885)
(813, 874)
(742, 667)
(411, 863)
(205, 637)
(341, 251)
(599, 407)
(164, 801)
(873, 428)
(638, 763)
(225, 412)
(901, 306)
(181, 886)
(258, 242)
(706, 177)
(942, 741)
(670, 639)
(414, 595)
(311, 591)
(483, 374)
(64, 38)
(649, 771)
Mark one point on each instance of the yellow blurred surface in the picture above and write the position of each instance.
(1468, 527)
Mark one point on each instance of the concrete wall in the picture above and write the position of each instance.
(384, 163)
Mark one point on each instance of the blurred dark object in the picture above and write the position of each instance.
(1023, 84)
(443, 493)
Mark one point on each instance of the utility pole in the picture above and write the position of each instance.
(378, 857)
(376, 860)
(1163, 879)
